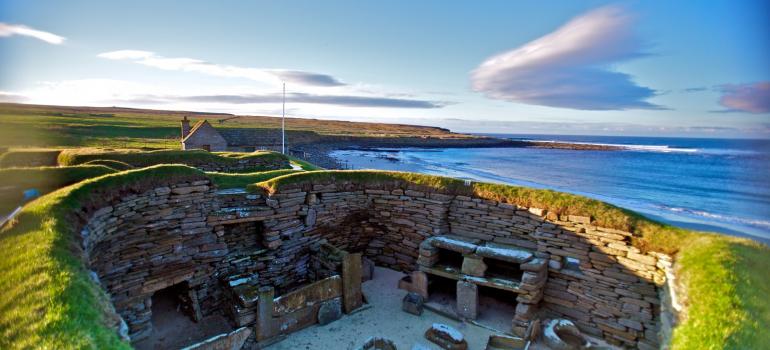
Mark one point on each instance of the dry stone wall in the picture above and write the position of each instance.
(191, 233)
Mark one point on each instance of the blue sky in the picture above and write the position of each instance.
(590, 67)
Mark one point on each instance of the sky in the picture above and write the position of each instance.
(642, 68)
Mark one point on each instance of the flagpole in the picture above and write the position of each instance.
(283, 122)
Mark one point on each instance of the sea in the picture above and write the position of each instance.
(707, 184)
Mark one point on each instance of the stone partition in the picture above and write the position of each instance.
(212, 241)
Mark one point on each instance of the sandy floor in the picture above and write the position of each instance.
(383, 318)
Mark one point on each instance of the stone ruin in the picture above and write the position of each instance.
(276, 263)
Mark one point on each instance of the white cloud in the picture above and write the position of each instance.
(126, 55)
(273, 76)
(7, 30)
(749, 98)
(569, 67)
(243, 99)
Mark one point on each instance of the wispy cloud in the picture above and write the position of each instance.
(7, 30)
(338, 100)
(118, 92)
(695, 89)
(750, 98)
(570, 67)
(151, 59)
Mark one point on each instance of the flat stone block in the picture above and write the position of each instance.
(446, 337)
(413, 303)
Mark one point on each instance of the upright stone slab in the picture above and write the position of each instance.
(467, 300)
(264, 327)
(420, 283)
(351, 282)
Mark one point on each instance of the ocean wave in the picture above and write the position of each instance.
(657, 148)
(647, 148)
(717, 217)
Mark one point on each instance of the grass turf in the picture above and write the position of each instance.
(139, 158)
(43, 179)
(115, 164)
(64, 127)
(49, 300)
(227, 180)
(29, 158)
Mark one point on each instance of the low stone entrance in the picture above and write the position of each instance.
(174, 321)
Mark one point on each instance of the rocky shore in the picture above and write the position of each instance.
(319, 152)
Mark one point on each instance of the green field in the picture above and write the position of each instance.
(112, 127)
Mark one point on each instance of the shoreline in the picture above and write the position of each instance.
(319, 153)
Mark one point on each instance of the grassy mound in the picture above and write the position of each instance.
(228, 180)
(115, 164)
(726, 282)
(139, 158)
(29, 158)
(43, 179)
(48, 299)
(725, 278)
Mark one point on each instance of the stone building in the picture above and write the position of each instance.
(204, 136)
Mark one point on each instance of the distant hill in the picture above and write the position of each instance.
(48, 126)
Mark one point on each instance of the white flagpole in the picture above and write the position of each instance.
(283, 122)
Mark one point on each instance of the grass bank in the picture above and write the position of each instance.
(49, 301)
(139, 158)
(228, 180)
(725, 278)
(43, 179)
(115, 164)
(29, 158)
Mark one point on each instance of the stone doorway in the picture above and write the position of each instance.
(172, 303)
(174, 321)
